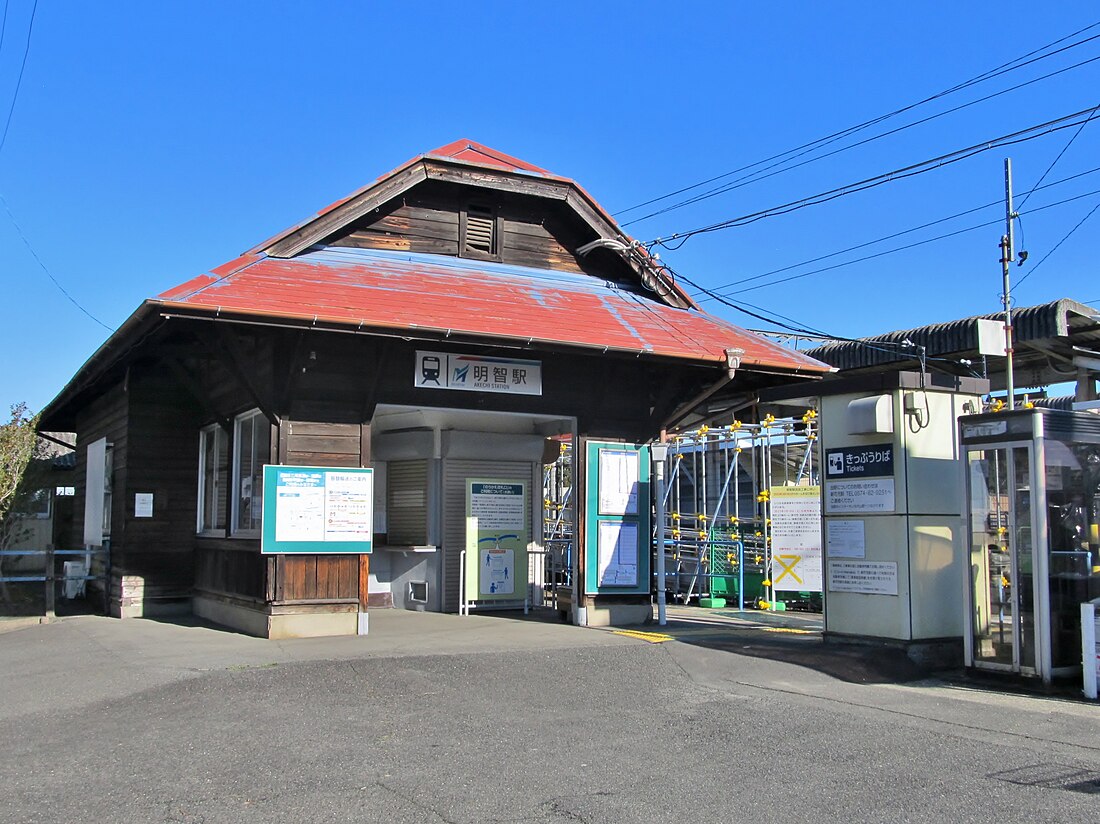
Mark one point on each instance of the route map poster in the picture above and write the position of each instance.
(311, 509)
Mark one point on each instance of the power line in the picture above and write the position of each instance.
(896, 234)
(44, 268)
(756, 177)
(897, 249)
(806, 147)
(22, 68)
(1054, 162)
(1059, 243)
(1022, 136)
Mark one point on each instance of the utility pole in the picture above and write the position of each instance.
(1007, 256)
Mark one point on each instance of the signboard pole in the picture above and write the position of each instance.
(1090, 652)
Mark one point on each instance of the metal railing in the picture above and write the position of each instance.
(71, 572)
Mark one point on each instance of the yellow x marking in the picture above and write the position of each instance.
(788, 562)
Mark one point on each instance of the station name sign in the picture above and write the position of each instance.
(477, 373)
(875, 461)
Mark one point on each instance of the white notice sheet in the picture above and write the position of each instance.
(618, 543)
(618, 482)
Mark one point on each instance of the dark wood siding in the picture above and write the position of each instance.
(162, 459)
(319, 578)
(230, 567)
(532, 231)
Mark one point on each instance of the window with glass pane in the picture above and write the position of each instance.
(213, 478)
(252, 438)
(1073, 526)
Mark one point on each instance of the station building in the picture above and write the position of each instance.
(452, 322)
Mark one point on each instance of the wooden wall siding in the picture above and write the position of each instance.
(212, 367)
(323, 444)
(230, 568)
(316, 578)
(163, 446)
(532, 232)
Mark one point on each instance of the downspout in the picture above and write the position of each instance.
(733, 362)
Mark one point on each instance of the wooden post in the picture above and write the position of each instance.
(364, 581)
(364, 592)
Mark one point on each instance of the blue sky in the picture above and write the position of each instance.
(153, 141)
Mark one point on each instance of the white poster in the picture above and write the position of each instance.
(618, 552)
(349, 502)
(845, 538)
(143, 505)
(618, 482)
(870, 495)
(870, 577)
(796, 538)
(498, 572)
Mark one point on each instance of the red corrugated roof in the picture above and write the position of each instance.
(373, 289)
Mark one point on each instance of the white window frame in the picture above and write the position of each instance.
(234, 502)
(108, 488)
(221, 440)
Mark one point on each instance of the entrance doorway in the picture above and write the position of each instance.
(431, 465)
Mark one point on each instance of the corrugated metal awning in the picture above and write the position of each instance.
(1040, 333)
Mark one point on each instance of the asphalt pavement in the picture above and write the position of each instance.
(435, 718)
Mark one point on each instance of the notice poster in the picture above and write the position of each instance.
(618, 482)
(845, 538)
(618, 554)
(349, 499)
(317, 510)
(496, 539)
(796, 538)
(868, 577)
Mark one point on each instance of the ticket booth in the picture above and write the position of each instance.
(1033, 491)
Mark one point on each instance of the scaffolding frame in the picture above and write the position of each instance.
(717, 531)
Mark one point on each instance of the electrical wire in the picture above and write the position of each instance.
(905, 247)
(19, 80)
(45, 269)
(1056, 159)
(1042, 260)
(755, 177)
(804, 329)
(995, 72)
(898, 234)
(1013, 138)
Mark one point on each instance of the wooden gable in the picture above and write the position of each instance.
(448, 205)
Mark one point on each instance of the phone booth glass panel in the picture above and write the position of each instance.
(1033, 487)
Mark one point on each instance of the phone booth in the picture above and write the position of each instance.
(1033, 491)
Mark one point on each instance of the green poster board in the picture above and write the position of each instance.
(496, 540)
(313, 509)
(617, 519)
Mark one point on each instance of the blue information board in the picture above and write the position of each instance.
(311, 509)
